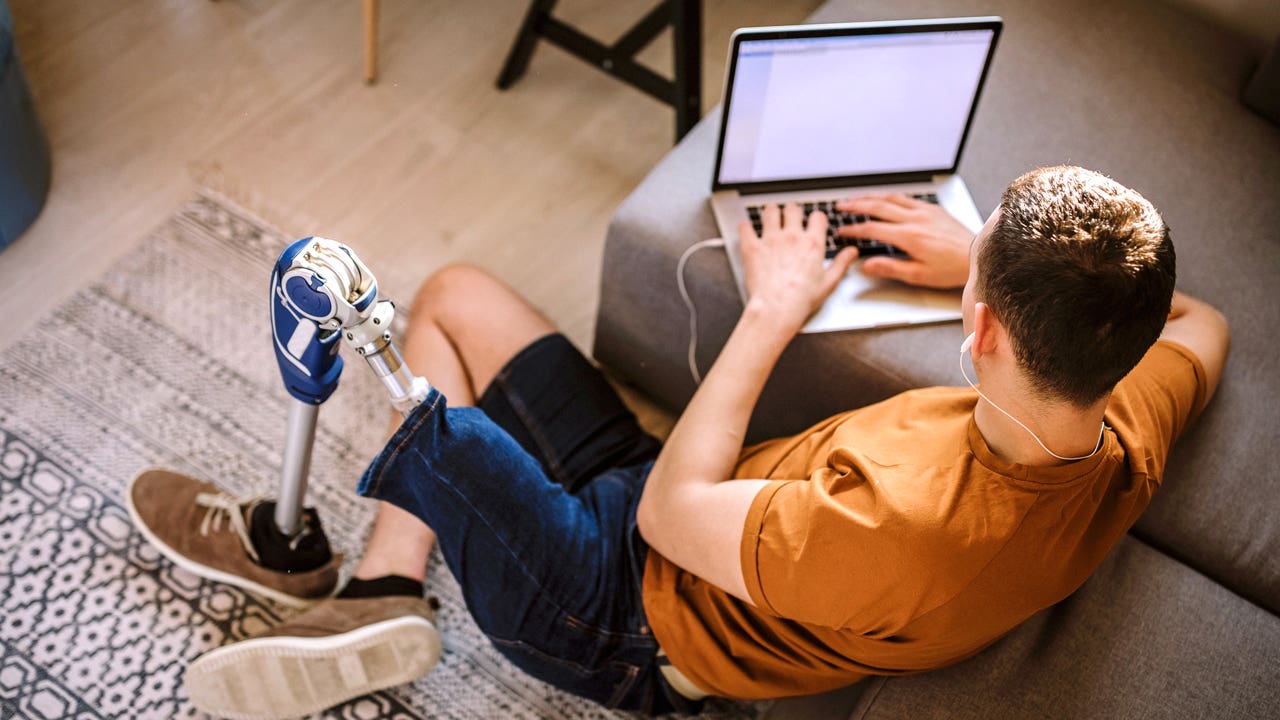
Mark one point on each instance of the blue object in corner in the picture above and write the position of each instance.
(24, 151)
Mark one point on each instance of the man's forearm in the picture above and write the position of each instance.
(706, 441)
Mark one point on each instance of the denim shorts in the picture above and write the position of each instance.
(533, 497)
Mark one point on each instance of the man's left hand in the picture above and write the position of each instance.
(938, 245)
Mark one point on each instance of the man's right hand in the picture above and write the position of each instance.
(784, 266)
(937, 243)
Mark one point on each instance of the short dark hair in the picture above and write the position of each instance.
(1080, 271)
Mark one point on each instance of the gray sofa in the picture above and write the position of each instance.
(1183, 618)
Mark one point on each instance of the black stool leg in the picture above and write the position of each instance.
(686, 40)
(526, 40)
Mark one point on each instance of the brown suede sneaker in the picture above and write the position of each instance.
(203, 530)
(339, 650)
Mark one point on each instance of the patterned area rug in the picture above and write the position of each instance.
(166, 362)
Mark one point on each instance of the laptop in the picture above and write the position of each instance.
(815, 114)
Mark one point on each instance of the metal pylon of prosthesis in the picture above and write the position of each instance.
(321, 293)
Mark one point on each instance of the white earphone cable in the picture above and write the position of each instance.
(1101, 431)
(688, 302)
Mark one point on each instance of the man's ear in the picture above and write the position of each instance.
(987, 331)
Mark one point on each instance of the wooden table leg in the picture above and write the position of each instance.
(370, 41)
(686, 41)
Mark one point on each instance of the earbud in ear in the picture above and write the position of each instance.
(967, 342)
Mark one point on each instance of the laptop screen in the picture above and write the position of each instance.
(881, 101)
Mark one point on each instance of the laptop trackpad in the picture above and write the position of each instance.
(861, 302)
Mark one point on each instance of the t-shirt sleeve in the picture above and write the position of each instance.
(751, 538)
(1156, 402)
(820, 551)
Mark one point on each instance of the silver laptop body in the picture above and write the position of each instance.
(819, 113)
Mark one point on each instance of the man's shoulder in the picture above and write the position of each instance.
(1166, 370)
(1151, 407)
(925, 426)
(936, 401)
(891, 431)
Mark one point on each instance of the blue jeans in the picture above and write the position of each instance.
(533, 496)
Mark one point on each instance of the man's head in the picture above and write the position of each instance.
(1079, 271)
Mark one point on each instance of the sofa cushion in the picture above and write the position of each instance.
(1145, 637)
(1133, 88)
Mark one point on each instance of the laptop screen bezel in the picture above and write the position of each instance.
(849, 30)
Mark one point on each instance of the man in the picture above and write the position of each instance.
(891, 539)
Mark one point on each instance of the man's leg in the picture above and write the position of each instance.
(464, 327)
(533, 498)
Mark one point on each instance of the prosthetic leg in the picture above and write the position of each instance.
(346, 646)
(320, 293)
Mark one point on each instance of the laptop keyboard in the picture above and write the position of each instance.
(837, 219)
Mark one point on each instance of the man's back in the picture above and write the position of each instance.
(893, 540)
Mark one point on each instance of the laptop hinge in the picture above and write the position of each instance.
(759, 188)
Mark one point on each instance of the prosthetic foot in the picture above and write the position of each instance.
(217, 536)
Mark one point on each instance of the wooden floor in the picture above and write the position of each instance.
(144, 101)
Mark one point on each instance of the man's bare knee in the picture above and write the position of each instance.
(464, 299)
(484, 320)
(448, 286)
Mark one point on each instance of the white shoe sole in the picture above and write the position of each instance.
(205, 571)
(287, 677)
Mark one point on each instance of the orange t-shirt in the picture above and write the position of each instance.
(893, 540)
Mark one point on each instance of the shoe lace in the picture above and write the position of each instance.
(221, 505)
